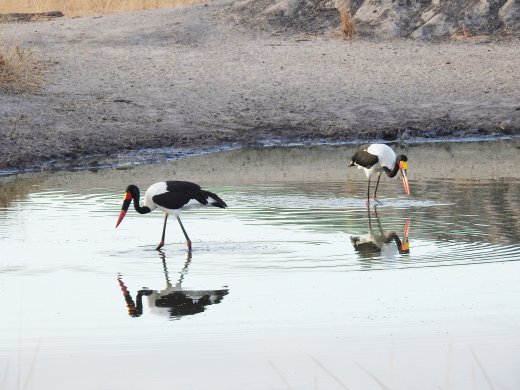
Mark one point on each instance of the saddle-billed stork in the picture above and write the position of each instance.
(170, 197)
(379, 158)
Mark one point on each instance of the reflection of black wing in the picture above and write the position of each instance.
(365, 248)
(182, 303)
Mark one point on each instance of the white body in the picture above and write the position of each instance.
(386, 158)
(154, 189)
(160, 188)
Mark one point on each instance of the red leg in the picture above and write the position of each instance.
(161, 244)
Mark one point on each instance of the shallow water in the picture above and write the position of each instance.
(295, 285)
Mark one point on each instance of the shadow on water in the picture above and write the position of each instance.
(173, 301)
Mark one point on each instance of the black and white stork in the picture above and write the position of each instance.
(379, 158)
(170, 197)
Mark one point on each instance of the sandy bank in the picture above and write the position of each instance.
(185, 77)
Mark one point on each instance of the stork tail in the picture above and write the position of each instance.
(214, 200)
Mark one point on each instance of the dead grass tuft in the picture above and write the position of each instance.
(505, 31)
(20, 70)
(73, 8)
(464, 33)
(348, 28)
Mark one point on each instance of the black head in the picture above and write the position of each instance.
(133, 190)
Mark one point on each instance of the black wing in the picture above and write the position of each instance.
(182, 186)
(179, 193)
(172, 200)
(363, 158)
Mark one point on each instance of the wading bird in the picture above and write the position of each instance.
(379, 158)
(170, 197)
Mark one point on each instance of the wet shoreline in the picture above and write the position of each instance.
(159, 155)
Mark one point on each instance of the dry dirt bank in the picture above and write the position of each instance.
(187, 77)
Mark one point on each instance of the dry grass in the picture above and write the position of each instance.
(464, 34)
(20, 70)
(348, 28)
(86, 7)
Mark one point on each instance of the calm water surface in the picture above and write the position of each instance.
(297, 285)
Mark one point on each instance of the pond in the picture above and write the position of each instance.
(296, 285)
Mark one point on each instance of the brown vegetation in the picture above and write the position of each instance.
(348, 28)
(86, 7)
(20, 70)
(462, 33)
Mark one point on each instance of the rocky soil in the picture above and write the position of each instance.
(419, 19)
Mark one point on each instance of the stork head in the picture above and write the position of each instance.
(403, 167)
(131, 192)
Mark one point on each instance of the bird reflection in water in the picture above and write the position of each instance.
(377, 243)
(173, 302)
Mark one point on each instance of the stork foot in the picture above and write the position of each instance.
(377, 201)
(161, 244)
(188, 242)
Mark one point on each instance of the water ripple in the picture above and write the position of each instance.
(291, 226)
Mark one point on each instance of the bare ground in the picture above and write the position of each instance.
(188, 78)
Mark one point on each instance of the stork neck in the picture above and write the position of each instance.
(392, 172)
(393, 237)
(140, 209)
(135, 196)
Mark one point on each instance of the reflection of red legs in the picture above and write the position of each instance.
(405, 247)
(407, 228)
